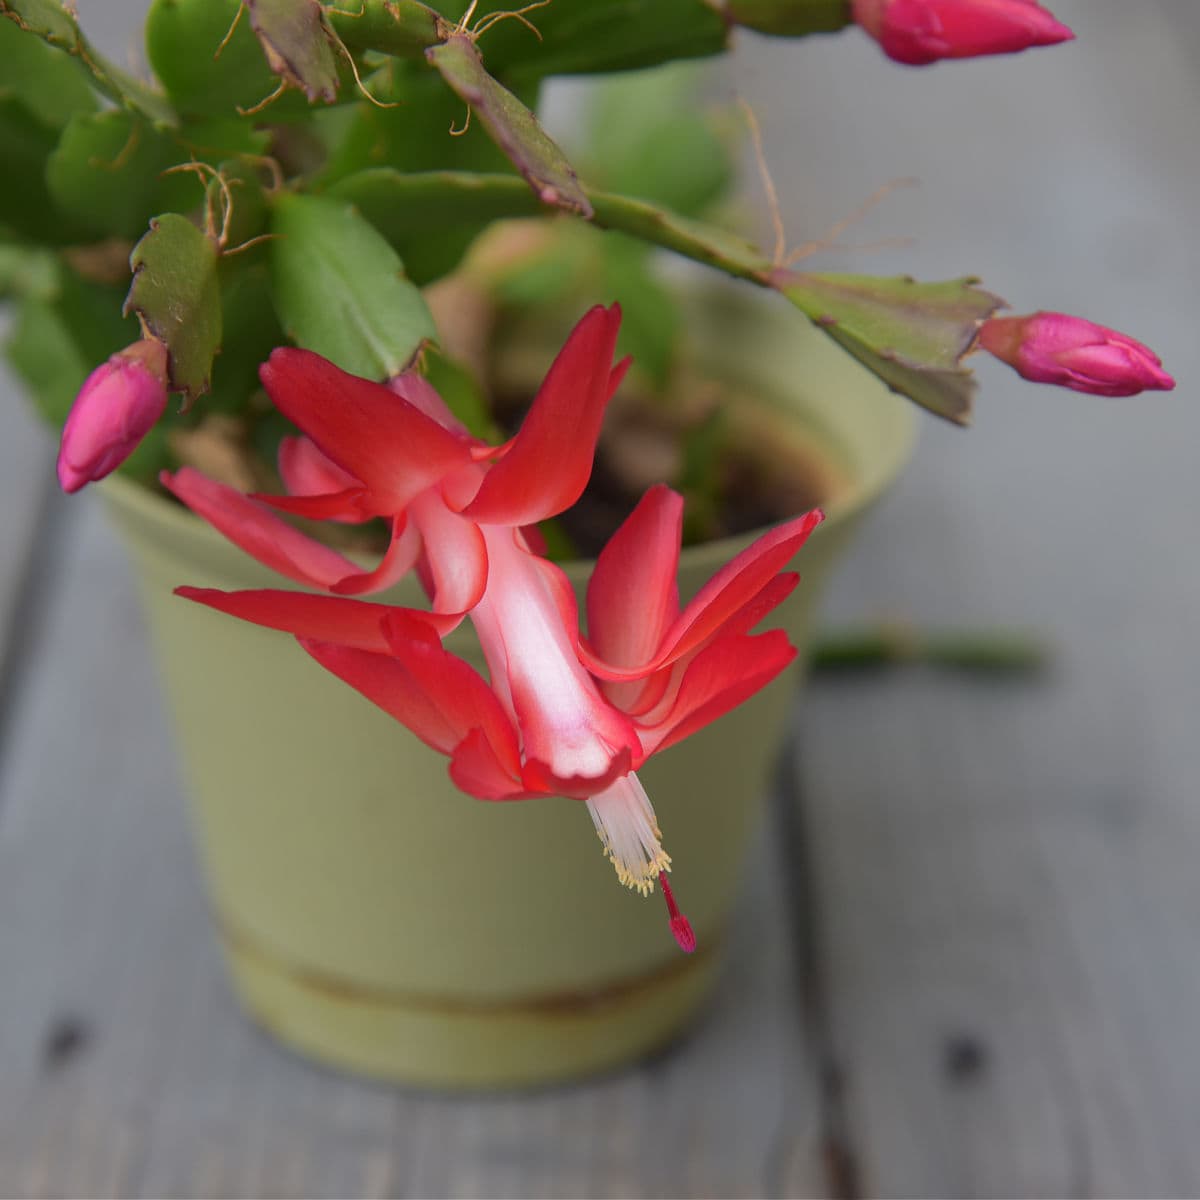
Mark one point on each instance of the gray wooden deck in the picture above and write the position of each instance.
(968, 958)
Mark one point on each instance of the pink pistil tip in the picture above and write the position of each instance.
(681, 927)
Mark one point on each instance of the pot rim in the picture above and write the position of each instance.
(177, 525)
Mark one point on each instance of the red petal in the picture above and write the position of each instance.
(423, 396)
(561, 593)
(723, 597)
(305, 471)
(774, 594)
(544, 781)
(738, 582)
(718, 679)
(633, 596)
(551, 458)
(356, 623)
(457, 689)
(258, 531)
(641, 696)
(455, 553)
(637, 696)
(346, 505)
(397, 561)
(386, 682)
(441, 699)
(364, 427)
(476, 769)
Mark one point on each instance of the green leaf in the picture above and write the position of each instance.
(48, 19)
(107, 173)
(203, 78)
(52, 84)
(586, 36)
(298, 45)
(412, 136)
(25, 203)
(431, 217)
(93, 314)
(649, 139)
(246, 308)
(428, 204)
(791, 18)
(340, 288)
(210, 139)
(65, 327)
(512, 125)
(44, 354)
(912, 335)
(28, 271)
(55, 23)
(175, 293)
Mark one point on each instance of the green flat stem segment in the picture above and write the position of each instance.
(402, 28)
(111, 172)
(910, 334)
(298, 44)
(401, 205)
(207, 58)
(53, 23)
(512, 125)
(52, 85)
(175, 293)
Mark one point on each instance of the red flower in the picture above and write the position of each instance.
(1048, 347)
(558, 715)
(917, 32)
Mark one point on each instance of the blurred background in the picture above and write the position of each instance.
(968, 957)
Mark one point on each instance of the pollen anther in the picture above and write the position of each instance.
(628, 830)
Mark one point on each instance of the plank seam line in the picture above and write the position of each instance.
(23, 636)
(803, 913)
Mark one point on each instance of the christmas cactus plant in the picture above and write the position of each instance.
(271, 277)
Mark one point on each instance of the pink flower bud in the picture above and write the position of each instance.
(1048, 347)
(917, 32)
(118, 403)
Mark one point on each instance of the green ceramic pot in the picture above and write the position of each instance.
(379, 920)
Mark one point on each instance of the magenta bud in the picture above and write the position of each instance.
(1070, 352)
(118, 403)
(917, 32)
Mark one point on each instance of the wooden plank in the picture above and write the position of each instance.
(1008, 920)
(1008, 899)
(125, 1068)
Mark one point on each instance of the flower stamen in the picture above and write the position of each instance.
(626, 825)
